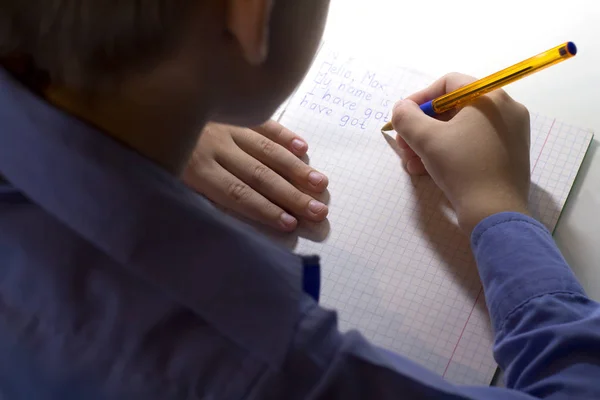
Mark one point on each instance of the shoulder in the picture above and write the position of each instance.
(86, 316)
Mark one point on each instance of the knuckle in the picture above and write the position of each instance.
(200, 164)
(245, 136)
(517, 109)
(399, 114)
(267, 147)
(213, 139)
(239, 192)
(453, 75)
(260, 175)
(523, 111)
(397, 118)
(503, 96)
(196, 162)
(458, 79)
(279, 133)
(208, 131)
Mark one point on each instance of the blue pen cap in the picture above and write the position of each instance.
(427, 108)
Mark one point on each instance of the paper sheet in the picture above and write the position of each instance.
(394, 263)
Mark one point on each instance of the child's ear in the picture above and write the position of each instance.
(248, 21)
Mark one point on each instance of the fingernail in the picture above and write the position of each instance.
(287, 221)
(315, 178)
(316, 207)
(299, 145)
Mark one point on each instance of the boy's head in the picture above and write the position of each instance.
(237, 58)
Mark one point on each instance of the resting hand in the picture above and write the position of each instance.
(257, 173)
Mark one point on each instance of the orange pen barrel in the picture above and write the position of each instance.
(536, 63)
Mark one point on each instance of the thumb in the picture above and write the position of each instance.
(412, 125)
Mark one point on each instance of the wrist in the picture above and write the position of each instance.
(471, 213)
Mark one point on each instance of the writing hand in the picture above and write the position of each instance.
(257, 173)
(479, 155)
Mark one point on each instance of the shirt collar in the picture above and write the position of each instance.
(150, 223)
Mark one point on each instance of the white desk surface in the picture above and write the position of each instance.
(481, 37)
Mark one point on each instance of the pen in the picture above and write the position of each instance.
(485, 85)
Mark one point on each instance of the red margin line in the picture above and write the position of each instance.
(462, 332)
(481, 290)
(544, 145)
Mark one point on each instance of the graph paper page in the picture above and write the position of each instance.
(394, 263)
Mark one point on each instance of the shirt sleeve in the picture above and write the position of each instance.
(547, 333)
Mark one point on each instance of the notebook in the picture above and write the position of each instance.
(394, 264)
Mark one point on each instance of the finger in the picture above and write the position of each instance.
(413, 126)
(414, 166)
(401, 142)
(410, 160)
(405, 149)
(446, 84)
(223, 188)
(283, 136)
(271, 185)
(280, 160)
(407, 153)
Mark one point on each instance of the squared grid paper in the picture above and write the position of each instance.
(395, 265)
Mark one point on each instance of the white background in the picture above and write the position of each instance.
(482, 37)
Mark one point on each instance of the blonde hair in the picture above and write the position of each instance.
(82, 42)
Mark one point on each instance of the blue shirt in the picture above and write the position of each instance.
(117, 281)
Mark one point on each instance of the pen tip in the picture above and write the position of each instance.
(387, 127)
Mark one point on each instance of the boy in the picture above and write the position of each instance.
(119, 282)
